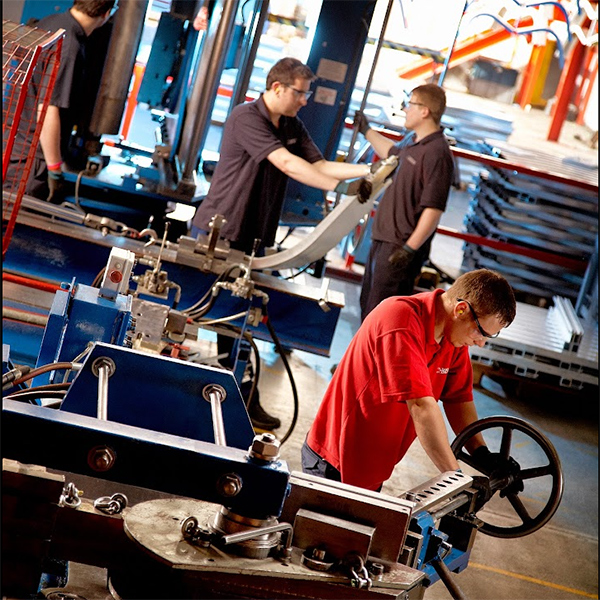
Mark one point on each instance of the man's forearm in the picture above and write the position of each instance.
(380, 143)
(50, 136)
(426, 226)
(342, 170)
(431, 431)
(301, 170)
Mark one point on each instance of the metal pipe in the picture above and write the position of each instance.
(446, 576)
(30, 282)
(251, 534)
(118, 68)
(103, 367)
(198, 109)
(451, 51)
(215, 394)
(23, 316)
(370, 79)
(242, 82)
(103, 393)
(450, 506)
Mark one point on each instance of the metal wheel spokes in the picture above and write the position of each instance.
(521, 473)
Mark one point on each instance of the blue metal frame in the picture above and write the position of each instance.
(162, 462)
(297, 318)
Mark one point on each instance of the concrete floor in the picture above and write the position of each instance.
(558, 562)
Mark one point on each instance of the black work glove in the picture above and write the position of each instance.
(375, 166)
(361, 188)
(56, 185)
(361, 122)
(403, 257)
(484, 493)
(499, 468)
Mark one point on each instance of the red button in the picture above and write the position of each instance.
(115, 276)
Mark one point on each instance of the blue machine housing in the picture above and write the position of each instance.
(79, 315)
(161, 394)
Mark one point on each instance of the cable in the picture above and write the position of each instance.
(286, 364)
(98, 278)
(43, 369)
(224, 319)
(13, 374)
(300, 271)
(51, 390)
(256, 374)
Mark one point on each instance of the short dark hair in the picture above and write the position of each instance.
(488, 292)
(434, 98)
(287, 70)
(94, 8)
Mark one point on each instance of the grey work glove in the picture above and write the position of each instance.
(361, 122)
(402, 257)
(361, 188)
(56, 184)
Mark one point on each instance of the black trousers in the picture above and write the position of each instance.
(382, 279)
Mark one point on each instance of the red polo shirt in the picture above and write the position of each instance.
(363, 427)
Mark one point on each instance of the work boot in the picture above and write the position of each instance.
(260, 418)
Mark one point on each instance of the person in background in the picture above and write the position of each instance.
(264, 144)
(71, 103)
(410, 353)
(410, 209)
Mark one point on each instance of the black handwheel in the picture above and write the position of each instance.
(510, 484)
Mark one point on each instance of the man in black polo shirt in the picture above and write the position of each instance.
(72, 99)
(264, 143)
(410, 210)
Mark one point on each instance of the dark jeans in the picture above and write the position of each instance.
(313, 464)
(382, 279)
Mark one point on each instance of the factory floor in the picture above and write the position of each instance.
(557, 562)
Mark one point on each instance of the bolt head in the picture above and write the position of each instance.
(265, 447)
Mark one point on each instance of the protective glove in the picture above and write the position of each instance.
(361, 122)
(56, 184)
(361, 188)
(499, 468)
(484, 493)
(403, 257)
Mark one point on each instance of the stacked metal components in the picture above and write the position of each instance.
(532, 212)
(555, 223)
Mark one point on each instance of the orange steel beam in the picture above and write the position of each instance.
(463, 51)
(592, 75)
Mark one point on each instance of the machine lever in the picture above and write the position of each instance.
(446, 577)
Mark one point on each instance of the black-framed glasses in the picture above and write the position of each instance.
(306, 95)
(482, 331)
(406, 103)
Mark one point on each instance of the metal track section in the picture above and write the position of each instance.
(551, 344)
(437, 491)
(551, 216)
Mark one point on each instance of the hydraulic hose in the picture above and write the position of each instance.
(286, 364)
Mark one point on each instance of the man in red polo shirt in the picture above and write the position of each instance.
(409, 353)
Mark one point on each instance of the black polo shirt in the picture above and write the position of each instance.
(422, 180)
(71, 88)
(246, 188)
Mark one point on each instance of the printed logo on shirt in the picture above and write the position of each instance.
(411, 160)
(291, 141)
(442, 371)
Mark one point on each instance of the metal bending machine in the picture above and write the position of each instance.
(110, 400)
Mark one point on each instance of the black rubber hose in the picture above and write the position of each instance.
(289, 372)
